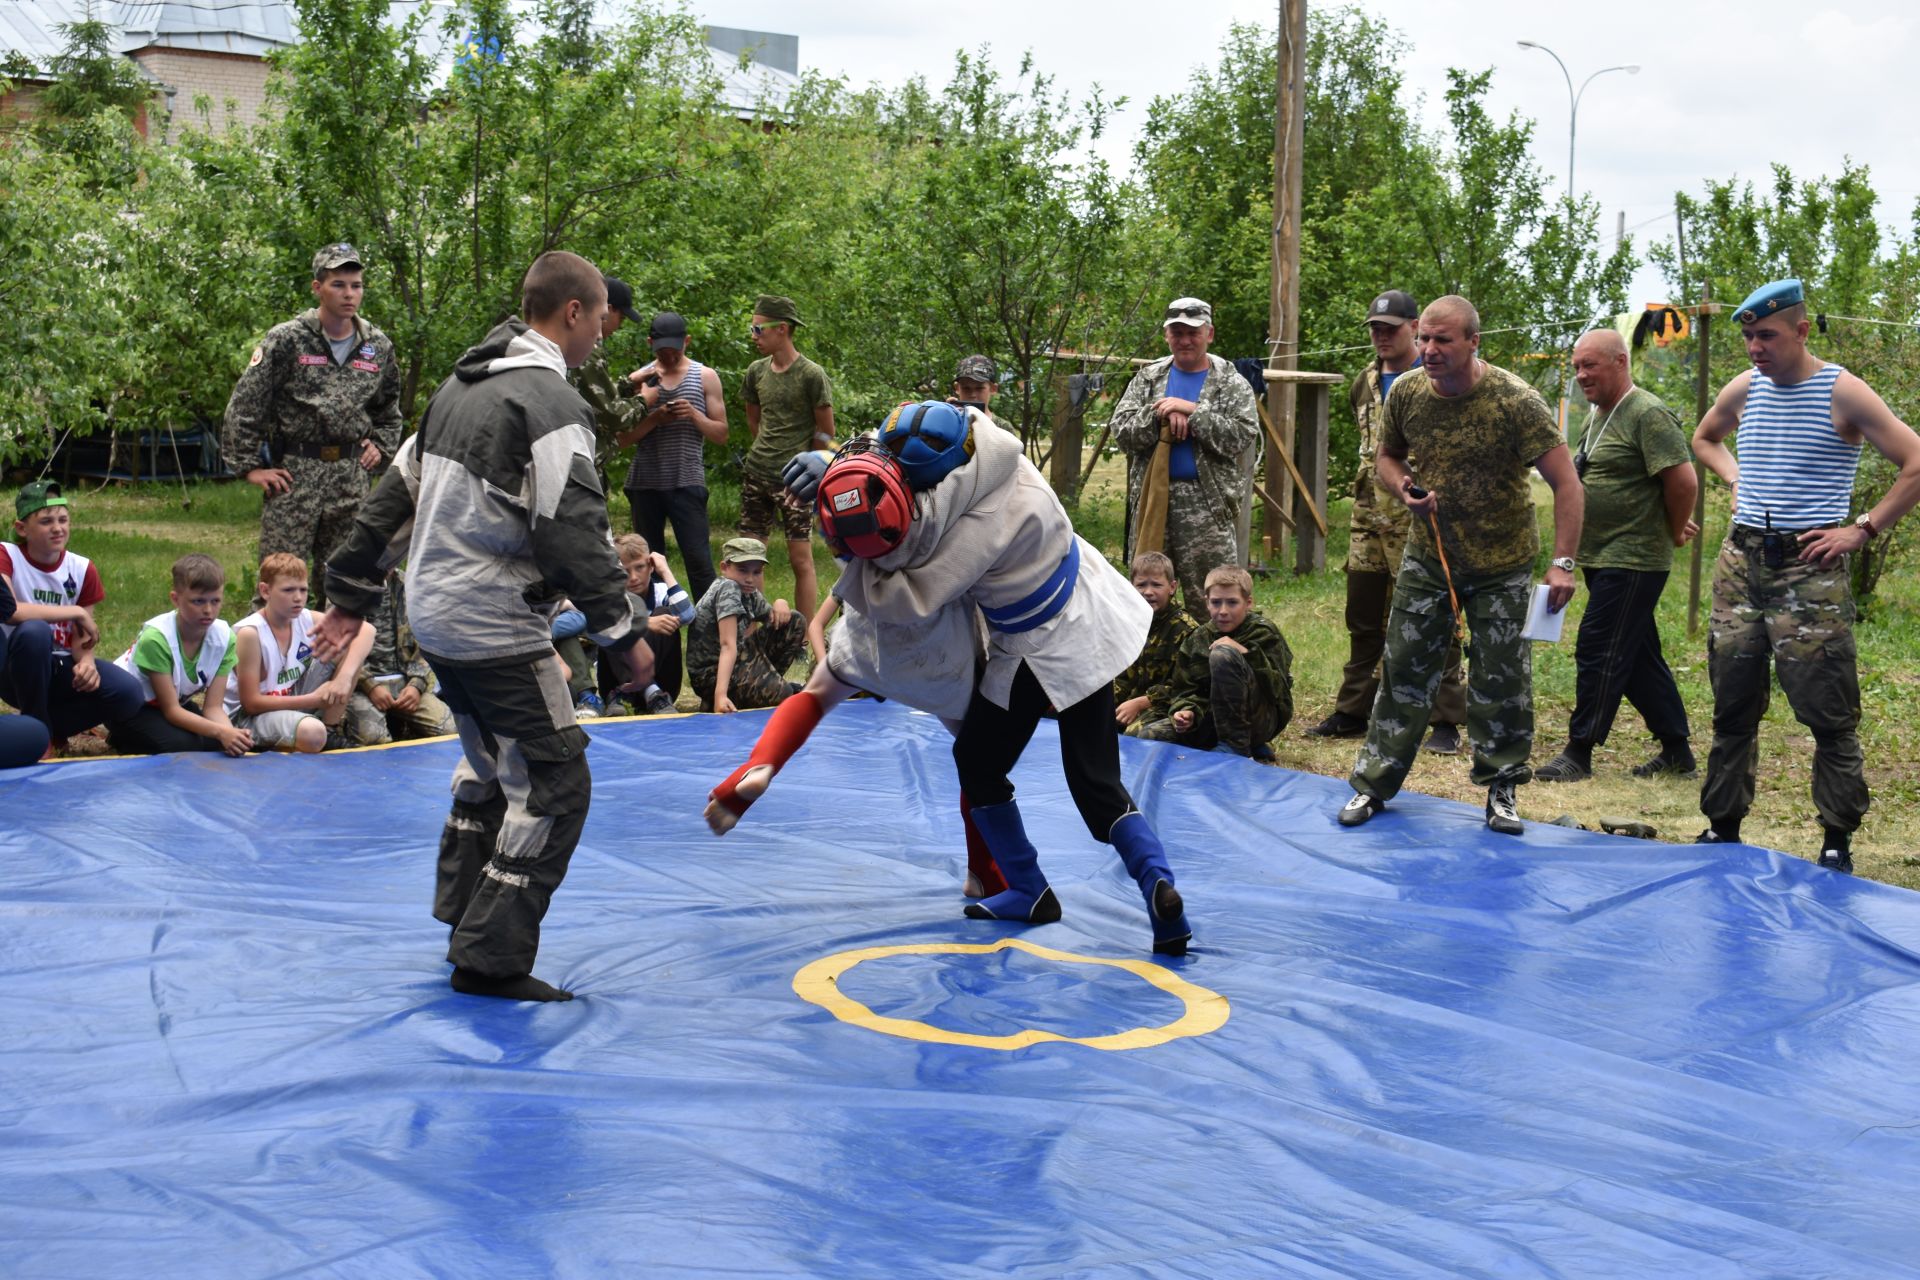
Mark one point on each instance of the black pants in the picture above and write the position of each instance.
(1369, 600)
(687, 508)
(992, 739)
(1618, 655)
(150, 734)
(668, 671)
(39, 683)
(520, 796)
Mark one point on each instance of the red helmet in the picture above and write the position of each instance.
(864, 504)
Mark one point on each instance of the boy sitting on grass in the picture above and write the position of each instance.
(1142, 692)
(47, 667)
(284, 696)
(178, 657)
(656, 597)
(740, 646)
(1233, 685)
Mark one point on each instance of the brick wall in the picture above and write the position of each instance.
(219, 77)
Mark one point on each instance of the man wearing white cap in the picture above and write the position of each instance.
(1188, 427)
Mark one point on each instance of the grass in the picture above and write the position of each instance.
(134, 533)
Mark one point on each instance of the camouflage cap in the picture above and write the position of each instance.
(38, 496)
(777, 307)
(333, 257)
(976, 369)
(1191, 312)
(743, 551)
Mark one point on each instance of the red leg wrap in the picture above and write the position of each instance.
(979, 859)
(787, 731)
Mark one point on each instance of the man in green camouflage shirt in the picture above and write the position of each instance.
(321, 397)
(1465, 434)
(1378, 539)
(614, 400)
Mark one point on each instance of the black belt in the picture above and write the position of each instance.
(1753, 533)
(321, 452)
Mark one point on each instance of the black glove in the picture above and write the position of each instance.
(802, 474)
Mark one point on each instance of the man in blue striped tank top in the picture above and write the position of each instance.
(1780, 586)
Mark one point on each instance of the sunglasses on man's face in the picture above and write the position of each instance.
(759, 329)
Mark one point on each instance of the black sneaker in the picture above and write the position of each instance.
(660, 703)
(1562, 768)
(1840, 860)
(1263, 752)
(1444, 740)
(1359, 809)
(1668, 765)
(1710, 836)
(1339, 725)
(1502, 814)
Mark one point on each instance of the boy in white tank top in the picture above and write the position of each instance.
(179, 657)
(282, 693)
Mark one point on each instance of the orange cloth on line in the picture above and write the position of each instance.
(1150, 529)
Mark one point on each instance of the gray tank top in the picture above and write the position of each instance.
(670, 457)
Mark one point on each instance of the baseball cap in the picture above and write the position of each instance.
(334, 256)
(620, 298)
(669, 329)
(1190, 312)
(976, 369)
(1393, 307)
(743, 551)
(37, 497)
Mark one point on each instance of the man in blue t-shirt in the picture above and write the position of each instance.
(1188, 427)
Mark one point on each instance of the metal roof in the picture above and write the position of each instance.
(249, 27)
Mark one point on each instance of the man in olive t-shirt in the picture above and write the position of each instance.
(789, 410)
(1640, 486)
(1466, 434)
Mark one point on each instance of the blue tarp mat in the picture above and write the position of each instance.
(229, 1048)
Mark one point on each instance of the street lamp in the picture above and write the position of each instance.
(1573, 99)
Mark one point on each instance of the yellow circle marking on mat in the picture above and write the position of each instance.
(818, 983)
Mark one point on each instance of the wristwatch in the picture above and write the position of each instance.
(1864, 521)
(1562, 562)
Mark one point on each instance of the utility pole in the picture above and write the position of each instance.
(1283, 310)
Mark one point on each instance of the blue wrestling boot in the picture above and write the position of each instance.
(1029, 898)
(1133, 839)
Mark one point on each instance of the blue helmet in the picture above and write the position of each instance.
(930, 438)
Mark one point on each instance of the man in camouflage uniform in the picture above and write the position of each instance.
(1780, 586)
(614, 400)
(1188, 426)
(1377, 540)
(321, 396)
(393, 694)
(1472, 432)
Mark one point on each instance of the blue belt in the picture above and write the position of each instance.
(1047, 600)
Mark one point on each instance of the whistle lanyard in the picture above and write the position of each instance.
(1586, 449)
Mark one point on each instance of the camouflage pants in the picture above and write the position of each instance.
(1239, 714)
(1376, 543)
(1799, 617)
(759, 676)
(1499, 677)
(1198, 542)
(314, 517)
(367, 727)
(1378, 533)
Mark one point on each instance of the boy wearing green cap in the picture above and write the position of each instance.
(789, 411)
(47, 669)
(740, 645)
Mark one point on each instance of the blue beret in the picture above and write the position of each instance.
(1770, 298)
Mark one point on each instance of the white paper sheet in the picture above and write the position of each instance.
(1542, 625)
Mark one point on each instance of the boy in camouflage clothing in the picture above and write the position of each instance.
(393, 694)
(1143, 692)
(1233, 683)
(740, 644)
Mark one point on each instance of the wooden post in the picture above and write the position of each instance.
(1283, 307)
(1310, 456)
(1702, 390)
(1069, 429)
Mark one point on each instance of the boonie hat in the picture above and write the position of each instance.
(669, 329)
(775, 306)
(334, 256)
(1393, 307)
(743, 550)
(1191, 312)
(620, 298)
(38, 496)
